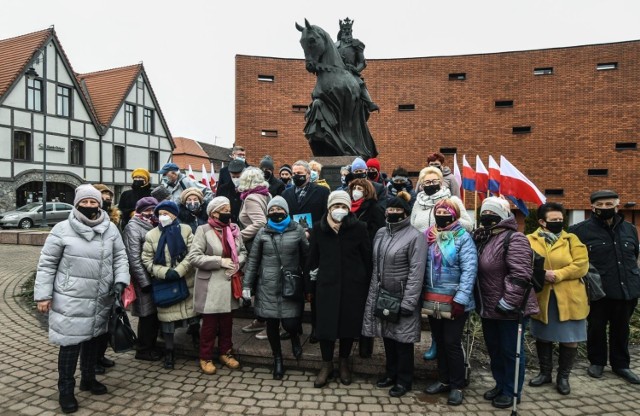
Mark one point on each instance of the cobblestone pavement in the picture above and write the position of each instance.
(28, 380)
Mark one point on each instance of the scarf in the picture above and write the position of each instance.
(87, 221)
(229, 234)
(280, 226)
(301, 192)
(260, 190)
(355, 205)
(427, 202)
(549, 237)
(444, 247)
(335, 226)
(170, 236)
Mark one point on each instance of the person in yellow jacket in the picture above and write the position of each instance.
(563, 300)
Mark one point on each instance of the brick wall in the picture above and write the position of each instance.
(577, 114)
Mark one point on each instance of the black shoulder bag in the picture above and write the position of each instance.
(387, 306)
(291, 283)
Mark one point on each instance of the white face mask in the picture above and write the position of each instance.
(338, 214)
(357, 194)
(165, 220)
(236, 181)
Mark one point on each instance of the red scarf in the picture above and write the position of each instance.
(355, 205)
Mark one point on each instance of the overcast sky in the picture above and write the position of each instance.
(188, 47)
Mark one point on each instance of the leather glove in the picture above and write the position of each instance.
(405, 312)
(118, 288)
(227, 263)
(246, 294)
(146, 289)
(457, 310)
(172, 275)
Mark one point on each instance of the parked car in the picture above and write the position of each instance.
(31, 214)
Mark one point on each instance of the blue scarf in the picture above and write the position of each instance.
(280, 226)
(171, 236)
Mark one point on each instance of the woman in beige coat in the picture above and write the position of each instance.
(217, 253)
(164, 255)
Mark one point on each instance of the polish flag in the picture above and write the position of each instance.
(468, 175)
(190, 174)
(482, 176)
(457, 175)
(212, 179)
(494, 175)
(514, 183)
(205, 177)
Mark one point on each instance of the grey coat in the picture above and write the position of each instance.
(134, 234)
(263, 266)
(399, 255)
(77, 269)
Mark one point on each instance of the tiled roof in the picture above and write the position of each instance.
(107, 89)
(15, 54)
(216, 152)
(185, 146)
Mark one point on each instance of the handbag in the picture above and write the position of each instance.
(387, 306)
(437, 305)
(122, 338)
(593, 284)
(236, 284)
(291, 282)
(169, 292)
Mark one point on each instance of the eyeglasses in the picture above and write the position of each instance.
(433, 182)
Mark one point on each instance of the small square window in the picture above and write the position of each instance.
(34, 94)
(266, 78)
(76, 153)
(129, 116)
(543, 71)
(554, 192)
(154, 161)
(148, 121)
(299, 108)
(627, 146)
(118, 157)
(63, 101)
(458, 76)
(406, 107)
(521, 129)
(22, 145)
(448, 150)
(504, 104)
(607, 66)
(597, 172)
(269, 133)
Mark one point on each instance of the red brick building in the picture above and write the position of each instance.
(568, 118)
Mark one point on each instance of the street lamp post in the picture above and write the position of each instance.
(31, 75)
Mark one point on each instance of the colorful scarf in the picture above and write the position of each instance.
(549, 237)
(280, 226)
(170, 236)
(260, 190)
(444, 248)
(230, 232)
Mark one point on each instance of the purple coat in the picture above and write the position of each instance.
(503, 278)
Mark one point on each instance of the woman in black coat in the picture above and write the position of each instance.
(341, 251)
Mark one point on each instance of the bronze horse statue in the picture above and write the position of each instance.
(337, 117)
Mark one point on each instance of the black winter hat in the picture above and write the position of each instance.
(267, 163)
(401, 201)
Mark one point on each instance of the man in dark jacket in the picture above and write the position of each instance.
(613, 250)
(237, 153)
(230, 189)
(140, 188)
(276, 186)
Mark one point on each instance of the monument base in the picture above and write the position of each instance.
(331, 168)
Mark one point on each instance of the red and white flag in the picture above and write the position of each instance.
(205, 176)
(457, 175)
(212, 179)
(482, 178)
(190, 174)
(514, 183)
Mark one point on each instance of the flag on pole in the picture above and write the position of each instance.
(212, 179)
(468, 175)
(482, 177)
(494, 175)
(190, 174)
(205, 176)
(514, 184)
(457, 175)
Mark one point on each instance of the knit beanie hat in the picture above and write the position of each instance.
(216, 203)
(401, 200)
(286, 168)
(191, 191)
(170, 206)
(278, 201)
(141, 172)
(267, 163)
(373, 163)
(103, 188)
(145, 203)
(160, 193)
(495, 205)
(87, 191)
(358, 164)
(339, 197)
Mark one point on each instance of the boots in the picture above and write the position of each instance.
(296, 348)
(565, 364)
(345, 374)
(432, 352)
(324, 375)
(278, 367)
(545, 358)
(169, 359)
(68, 403)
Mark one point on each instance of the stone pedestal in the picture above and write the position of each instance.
(331, 168)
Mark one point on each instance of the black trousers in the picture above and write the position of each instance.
(447, 334)
(68, 361)
(616, 314)
(102, 343)
(399, 361)
(327, 347)
(148, 327)
(291, 325)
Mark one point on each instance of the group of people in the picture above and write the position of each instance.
(373, 258)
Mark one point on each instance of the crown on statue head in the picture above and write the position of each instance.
(346, 24)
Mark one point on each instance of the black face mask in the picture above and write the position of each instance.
(89, 212)
(106, 205)
(224, 217)
(277, 216)
(395, 217)
(372, 175)
(267, 175)
(398, 186)
(299, 180)
(137, 183)
(489, 220)
(554, 227)
(605, 213)
(431, 189)
(443, 220)
(285, 180)
(362, 175)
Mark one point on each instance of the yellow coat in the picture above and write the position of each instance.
(569, 259)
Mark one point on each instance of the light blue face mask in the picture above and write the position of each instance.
(314, 176)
